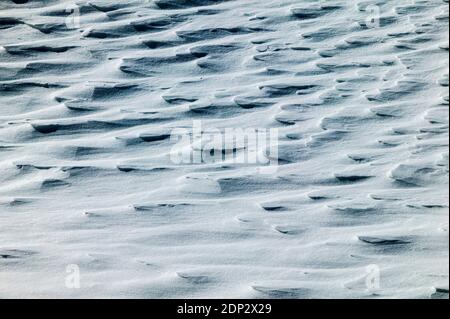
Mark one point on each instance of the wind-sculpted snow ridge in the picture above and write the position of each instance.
(90, 95)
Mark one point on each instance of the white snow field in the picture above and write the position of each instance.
(92, 205)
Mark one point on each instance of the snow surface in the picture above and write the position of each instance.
(86, 177)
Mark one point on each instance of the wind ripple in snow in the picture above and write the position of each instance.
(85, 141)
